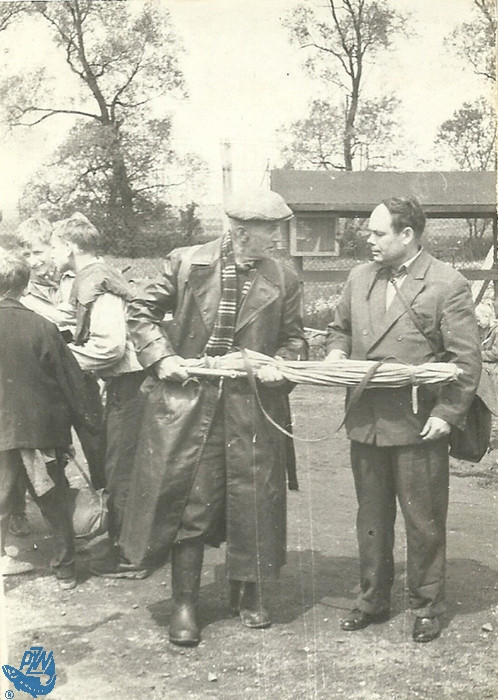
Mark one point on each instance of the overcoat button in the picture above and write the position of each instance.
(365, 332)
(400, 337)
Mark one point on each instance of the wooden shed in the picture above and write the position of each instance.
(319, 198)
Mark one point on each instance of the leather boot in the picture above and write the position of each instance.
(186, 564)
(245, 601)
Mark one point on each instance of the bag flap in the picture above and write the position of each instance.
(486, 391)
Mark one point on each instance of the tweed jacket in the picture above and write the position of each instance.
(364, 330)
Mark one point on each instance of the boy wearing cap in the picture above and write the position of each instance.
(209, 465)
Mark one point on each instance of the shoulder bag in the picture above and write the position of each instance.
(471, 442)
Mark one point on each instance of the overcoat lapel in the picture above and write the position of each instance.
(411, 288)
(204, 280)
(262, 292)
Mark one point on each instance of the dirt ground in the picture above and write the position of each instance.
(109, 638)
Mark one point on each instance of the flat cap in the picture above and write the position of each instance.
(257, 205)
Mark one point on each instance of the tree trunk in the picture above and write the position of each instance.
(121, 212)
(351, 111)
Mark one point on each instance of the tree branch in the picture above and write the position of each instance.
(328, 50)
(160, 186)
(9, 14)
(338, 27)
(481, 5)
(89, 77)
(127, 83)
(53, 112)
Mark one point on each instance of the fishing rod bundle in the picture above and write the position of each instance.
(360, 374)
(346, 373)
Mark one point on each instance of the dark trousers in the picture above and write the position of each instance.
(93, 444)
(124, 411)
(54, 506)
(18, 498)
(418, 476)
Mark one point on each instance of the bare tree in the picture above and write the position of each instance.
(475, 41)
(470, 134)
(317, 140)
(123, 60)
(470, 137)
(9, 13)
(340, 46)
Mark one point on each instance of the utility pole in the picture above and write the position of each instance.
(227, 170)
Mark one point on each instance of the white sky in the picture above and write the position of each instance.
(245, 80)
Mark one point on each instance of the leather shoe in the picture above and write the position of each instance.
(67, 584)
(120, 569)
(426, 629)
(245, 601)
(19, 525)
(357, 619)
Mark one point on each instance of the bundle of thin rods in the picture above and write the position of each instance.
(341, 373)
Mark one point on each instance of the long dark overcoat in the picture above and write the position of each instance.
(178, 418)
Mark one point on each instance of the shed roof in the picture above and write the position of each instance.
(442, 194)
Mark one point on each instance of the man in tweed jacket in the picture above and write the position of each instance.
(395, 452)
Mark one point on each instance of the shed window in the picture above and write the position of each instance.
(313, 233)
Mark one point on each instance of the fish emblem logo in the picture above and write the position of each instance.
(36, 673)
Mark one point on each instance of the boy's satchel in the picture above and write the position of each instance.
(88, 509)
(472, 441)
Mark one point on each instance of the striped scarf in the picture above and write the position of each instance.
(221, 339)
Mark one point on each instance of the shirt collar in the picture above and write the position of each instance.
(403, 269)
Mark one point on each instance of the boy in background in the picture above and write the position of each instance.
(48, 294)
(44, 297)
(41, 390)
(103, 349)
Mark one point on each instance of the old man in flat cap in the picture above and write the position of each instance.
(210, 466)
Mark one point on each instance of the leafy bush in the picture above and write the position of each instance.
(320, 311)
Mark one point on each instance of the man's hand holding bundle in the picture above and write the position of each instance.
(269, 375)
(336, 355)
(171, 369)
